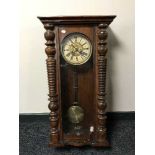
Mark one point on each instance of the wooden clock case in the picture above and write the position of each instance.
(91, 76)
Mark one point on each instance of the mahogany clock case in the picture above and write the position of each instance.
(91, 80)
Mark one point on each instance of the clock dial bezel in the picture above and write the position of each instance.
(72, 35)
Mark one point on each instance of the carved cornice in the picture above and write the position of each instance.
(72, 20)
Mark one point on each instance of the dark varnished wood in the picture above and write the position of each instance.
(51, 72)
(63, 20)
(91, 80)
(101, 134)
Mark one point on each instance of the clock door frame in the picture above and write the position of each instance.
(88, 32)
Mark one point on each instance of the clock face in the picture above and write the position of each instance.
(76, 49)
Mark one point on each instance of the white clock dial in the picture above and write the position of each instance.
(76, 49)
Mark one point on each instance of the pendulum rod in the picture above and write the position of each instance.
(75, 85)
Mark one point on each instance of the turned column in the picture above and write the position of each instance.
(51, 71)
(101, 78)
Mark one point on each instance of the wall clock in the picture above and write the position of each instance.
(76, 65)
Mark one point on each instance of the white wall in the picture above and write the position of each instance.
(33, 79)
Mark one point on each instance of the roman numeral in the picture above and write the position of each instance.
(71, 57)
(68, 54)
(71, 41)
(75, 38)
(77, 58)
(84, 44)
(81, 56)
(86, 48)
(84, 54)
(80, 40)
(66, 49)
